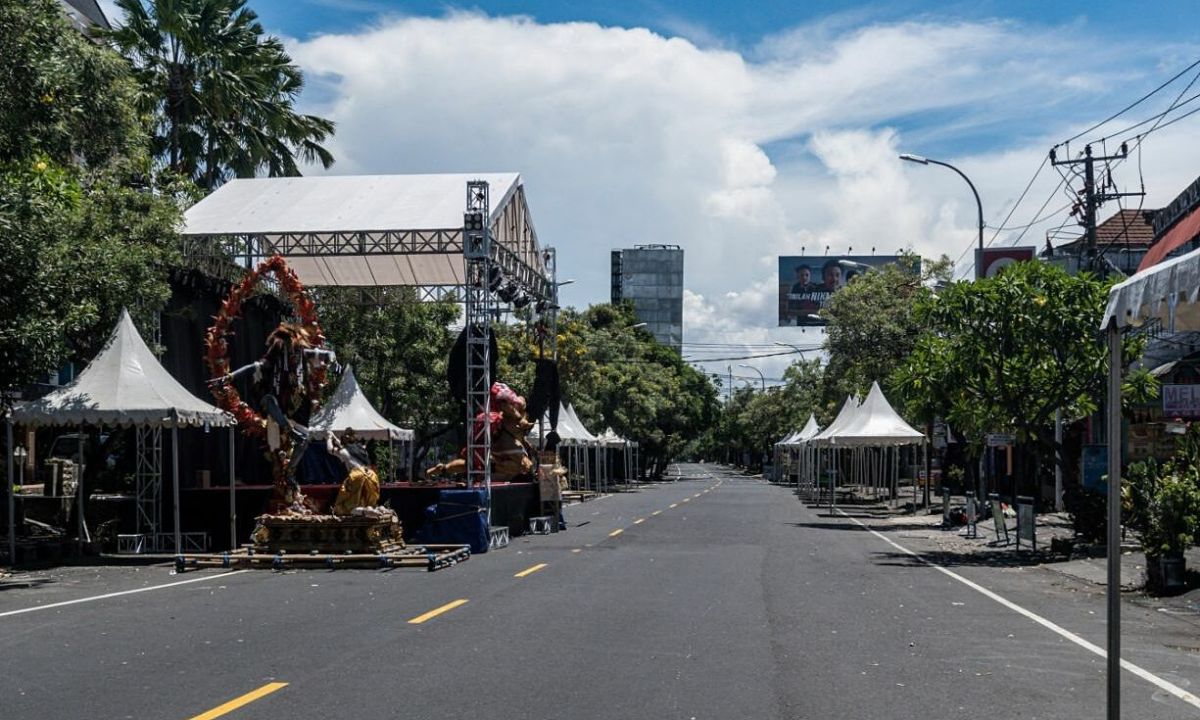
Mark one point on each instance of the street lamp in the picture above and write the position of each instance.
(789, 345)
(978, 202)
(760, 374)
(635, 326)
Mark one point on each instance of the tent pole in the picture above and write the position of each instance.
(175, 479)
(232, 495)
(1113, 590)
(12, 514)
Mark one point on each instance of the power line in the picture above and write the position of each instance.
(1064, 179)
(1132, 105)
(742, 357)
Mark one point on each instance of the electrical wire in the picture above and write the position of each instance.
(1132, 105)
(1064, 181)
(742, 357)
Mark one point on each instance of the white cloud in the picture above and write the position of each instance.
(625, 136)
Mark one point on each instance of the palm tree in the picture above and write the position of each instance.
(220, 93)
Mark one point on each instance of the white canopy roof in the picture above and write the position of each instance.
(849, 408)
(342, 203)
(566, 431)
(349, 408)
(412, 224)
(803, 435)
(583, 433)
(611, 439)
(1167, 291)
(123, 385)
(875, 423)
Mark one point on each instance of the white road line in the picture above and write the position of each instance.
(93, 598)
(1144, 674)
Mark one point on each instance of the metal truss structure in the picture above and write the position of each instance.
(495, 250)
(479, 312)
(148, 475)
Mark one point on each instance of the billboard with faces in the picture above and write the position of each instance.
(806, 283)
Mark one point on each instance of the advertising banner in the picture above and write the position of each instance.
(990, 261)
(807, 281)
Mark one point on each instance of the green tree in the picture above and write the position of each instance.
(619, 376)
(222, 94)
(84, 228)
(1003, 354)
(753, 421)
(873, 325)
(399, 349)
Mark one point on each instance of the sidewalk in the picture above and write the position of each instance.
(1087, 563)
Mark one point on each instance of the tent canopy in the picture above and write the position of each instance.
(350, 409)
(584, 434)
(566, 431)
(611, 439)
(124, 385)
(876, 423)
(844, 416)
(803, 435)
(367, 230)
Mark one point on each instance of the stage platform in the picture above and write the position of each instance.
(207, 509)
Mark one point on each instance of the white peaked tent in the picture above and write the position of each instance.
(349, 409)
(572, 438)
(844, 417)
(876, 424)
(584, 434)
(611, 439)
(589, 440)
(124, 386)
(1168, 292)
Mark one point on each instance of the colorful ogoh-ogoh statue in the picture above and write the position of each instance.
(359, 493)
(280, 392)
(285, 383)
(512, 455)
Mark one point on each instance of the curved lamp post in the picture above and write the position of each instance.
(760, 374)
(978, 203)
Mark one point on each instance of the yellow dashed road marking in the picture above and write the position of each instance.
(238, 702)
(530, 571)
(436, 611)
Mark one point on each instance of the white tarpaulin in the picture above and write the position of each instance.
(350, 409)
(1167, 291)
(124, 385)
(875, 424)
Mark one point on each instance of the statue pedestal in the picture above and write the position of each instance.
(325, 534)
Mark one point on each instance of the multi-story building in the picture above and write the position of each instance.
(651, 276)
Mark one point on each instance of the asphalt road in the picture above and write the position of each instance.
(720, 597)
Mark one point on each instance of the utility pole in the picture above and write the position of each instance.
(1093, 198)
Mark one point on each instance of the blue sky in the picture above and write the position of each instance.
(740, 25)
(747, 131)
